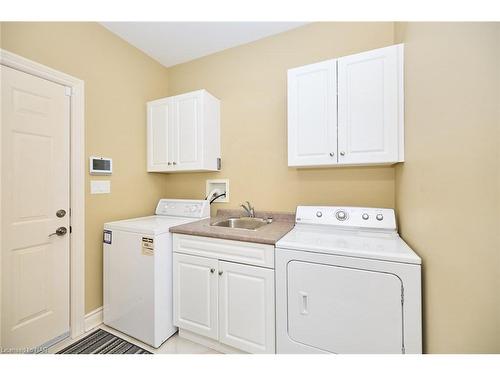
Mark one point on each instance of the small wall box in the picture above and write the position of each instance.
(222, 185)
(100, 166)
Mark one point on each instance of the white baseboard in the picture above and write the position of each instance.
(209, 343)
(93, 319)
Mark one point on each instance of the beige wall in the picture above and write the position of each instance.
(250, 81)
(447, 191)
(119, 80)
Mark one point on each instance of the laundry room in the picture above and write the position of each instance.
(216, 186)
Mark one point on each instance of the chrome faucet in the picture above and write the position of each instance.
(249, 209)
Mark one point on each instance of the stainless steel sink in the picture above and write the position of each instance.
(248, 223)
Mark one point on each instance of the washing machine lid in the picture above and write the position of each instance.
(151, 225)
(346, 242)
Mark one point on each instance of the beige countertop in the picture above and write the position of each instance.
(269, 234)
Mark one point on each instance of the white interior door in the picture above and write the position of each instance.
(312, 114)
(246, 307)
(187, 131)
(195, 294)
(370, 106)
(34, 187)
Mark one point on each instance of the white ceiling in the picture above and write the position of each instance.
(172, 43)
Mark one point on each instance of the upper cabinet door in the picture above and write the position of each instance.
(159, 135)
(312, 114)
(187, 139)
(370, 107)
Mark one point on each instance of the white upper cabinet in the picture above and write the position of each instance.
(370, 107)
(364, 94)
(312, 114)
(184, 133)
(159, 135)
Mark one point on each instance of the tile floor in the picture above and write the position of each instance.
(174, 345)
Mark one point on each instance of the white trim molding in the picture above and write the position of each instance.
(93, 319)
(209, 343)
(77, 179)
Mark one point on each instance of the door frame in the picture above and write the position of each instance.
(77, 181)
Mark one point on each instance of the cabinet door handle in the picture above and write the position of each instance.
(220, 273)
(212, 270)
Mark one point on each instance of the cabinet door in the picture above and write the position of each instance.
(246, 307)
(159, 135)
(195, 294)
(370, 96)
(312, 114)
(188, 132)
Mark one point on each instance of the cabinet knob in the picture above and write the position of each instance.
(169, 163)
(212, 270)
(342, 153)
(332, 154)
(174, 163)
(220, 273)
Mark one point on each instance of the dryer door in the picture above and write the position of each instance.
(344, 310)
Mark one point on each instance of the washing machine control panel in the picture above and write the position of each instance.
(356, 217)
(183, 208)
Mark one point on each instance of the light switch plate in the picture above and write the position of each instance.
(100, 187)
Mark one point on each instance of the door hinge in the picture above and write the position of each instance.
(70, 229)
(68, 91)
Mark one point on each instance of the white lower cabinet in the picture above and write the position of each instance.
(195, 294)
(246, 307)
(230, 303)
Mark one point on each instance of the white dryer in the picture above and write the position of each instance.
(347, 283)
(138, 270)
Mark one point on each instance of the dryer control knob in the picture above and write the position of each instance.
(380, 217)
(341, 215)
(319, 214)
(365, 216)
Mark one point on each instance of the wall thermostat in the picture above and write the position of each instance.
(100, 166)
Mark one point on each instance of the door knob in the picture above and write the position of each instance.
(220, 273)
(61, 213)
(212, 270)
(61, 231)
(332, 154)
(342, 153)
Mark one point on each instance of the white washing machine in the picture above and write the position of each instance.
(138, 270)
(347, 283)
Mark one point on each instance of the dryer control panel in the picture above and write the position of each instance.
(183, 208)
(347, 217)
